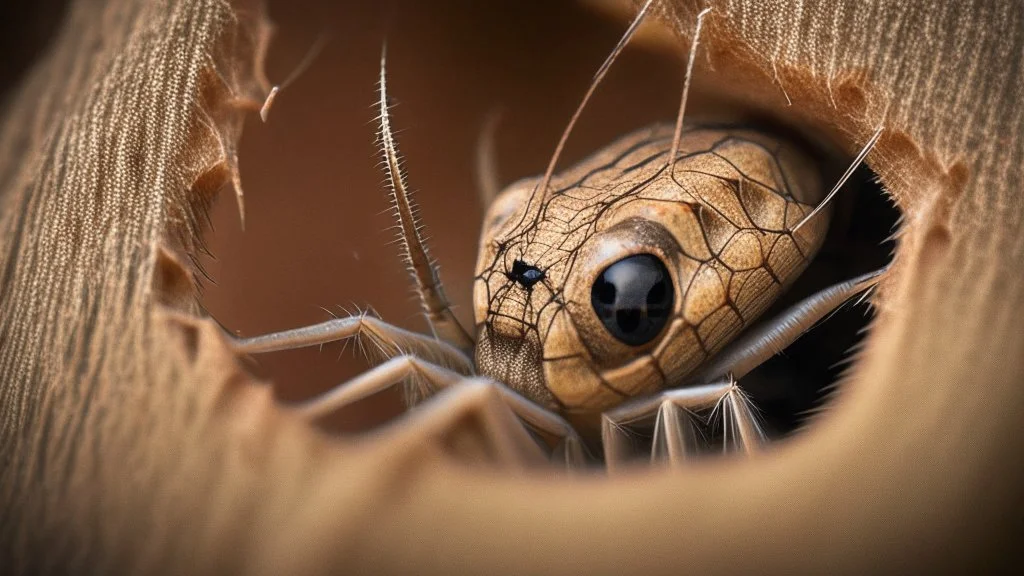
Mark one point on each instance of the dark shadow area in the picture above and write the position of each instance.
(26, 29)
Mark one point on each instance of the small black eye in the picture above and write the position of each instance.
(633, 298)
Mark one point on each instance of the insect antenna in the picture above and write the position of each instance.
(842, 179)
(590, 92)
(686, 87)
(436, 307)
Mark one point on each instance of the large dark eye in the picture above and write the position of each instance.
(633, 298)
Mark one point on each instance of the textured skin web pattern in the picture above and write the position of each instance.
(719, 216)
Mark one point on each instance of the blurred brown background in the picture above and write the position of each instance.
(316, 231)
(25, 30)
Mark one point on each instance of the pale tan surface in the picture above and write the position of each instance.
(134, 441)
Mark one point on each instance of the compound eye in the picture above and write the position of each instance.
(633, 298)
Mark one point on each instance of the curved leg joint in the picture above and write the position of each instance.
(675, 425)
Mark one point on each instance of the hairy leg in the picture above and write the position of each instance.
(385, 341)
(676, 423)
(474, 417)
(676, 435)
(770, 337)
(421, 380)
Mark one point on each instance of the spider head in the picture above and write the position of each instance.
(627, 273)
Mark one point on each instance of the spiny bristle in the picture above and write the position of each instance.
(331, 314)
(414, 248)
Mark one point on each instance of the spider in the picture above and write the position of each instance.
(621, 290)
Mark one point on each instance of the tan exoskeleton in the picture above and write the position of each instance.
(620, 290)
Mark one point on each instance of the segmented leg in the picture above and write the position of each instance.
(473, 418)
(421, 379)
(677, 423)
(386, 341)
(676, 412)
(767, 339)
